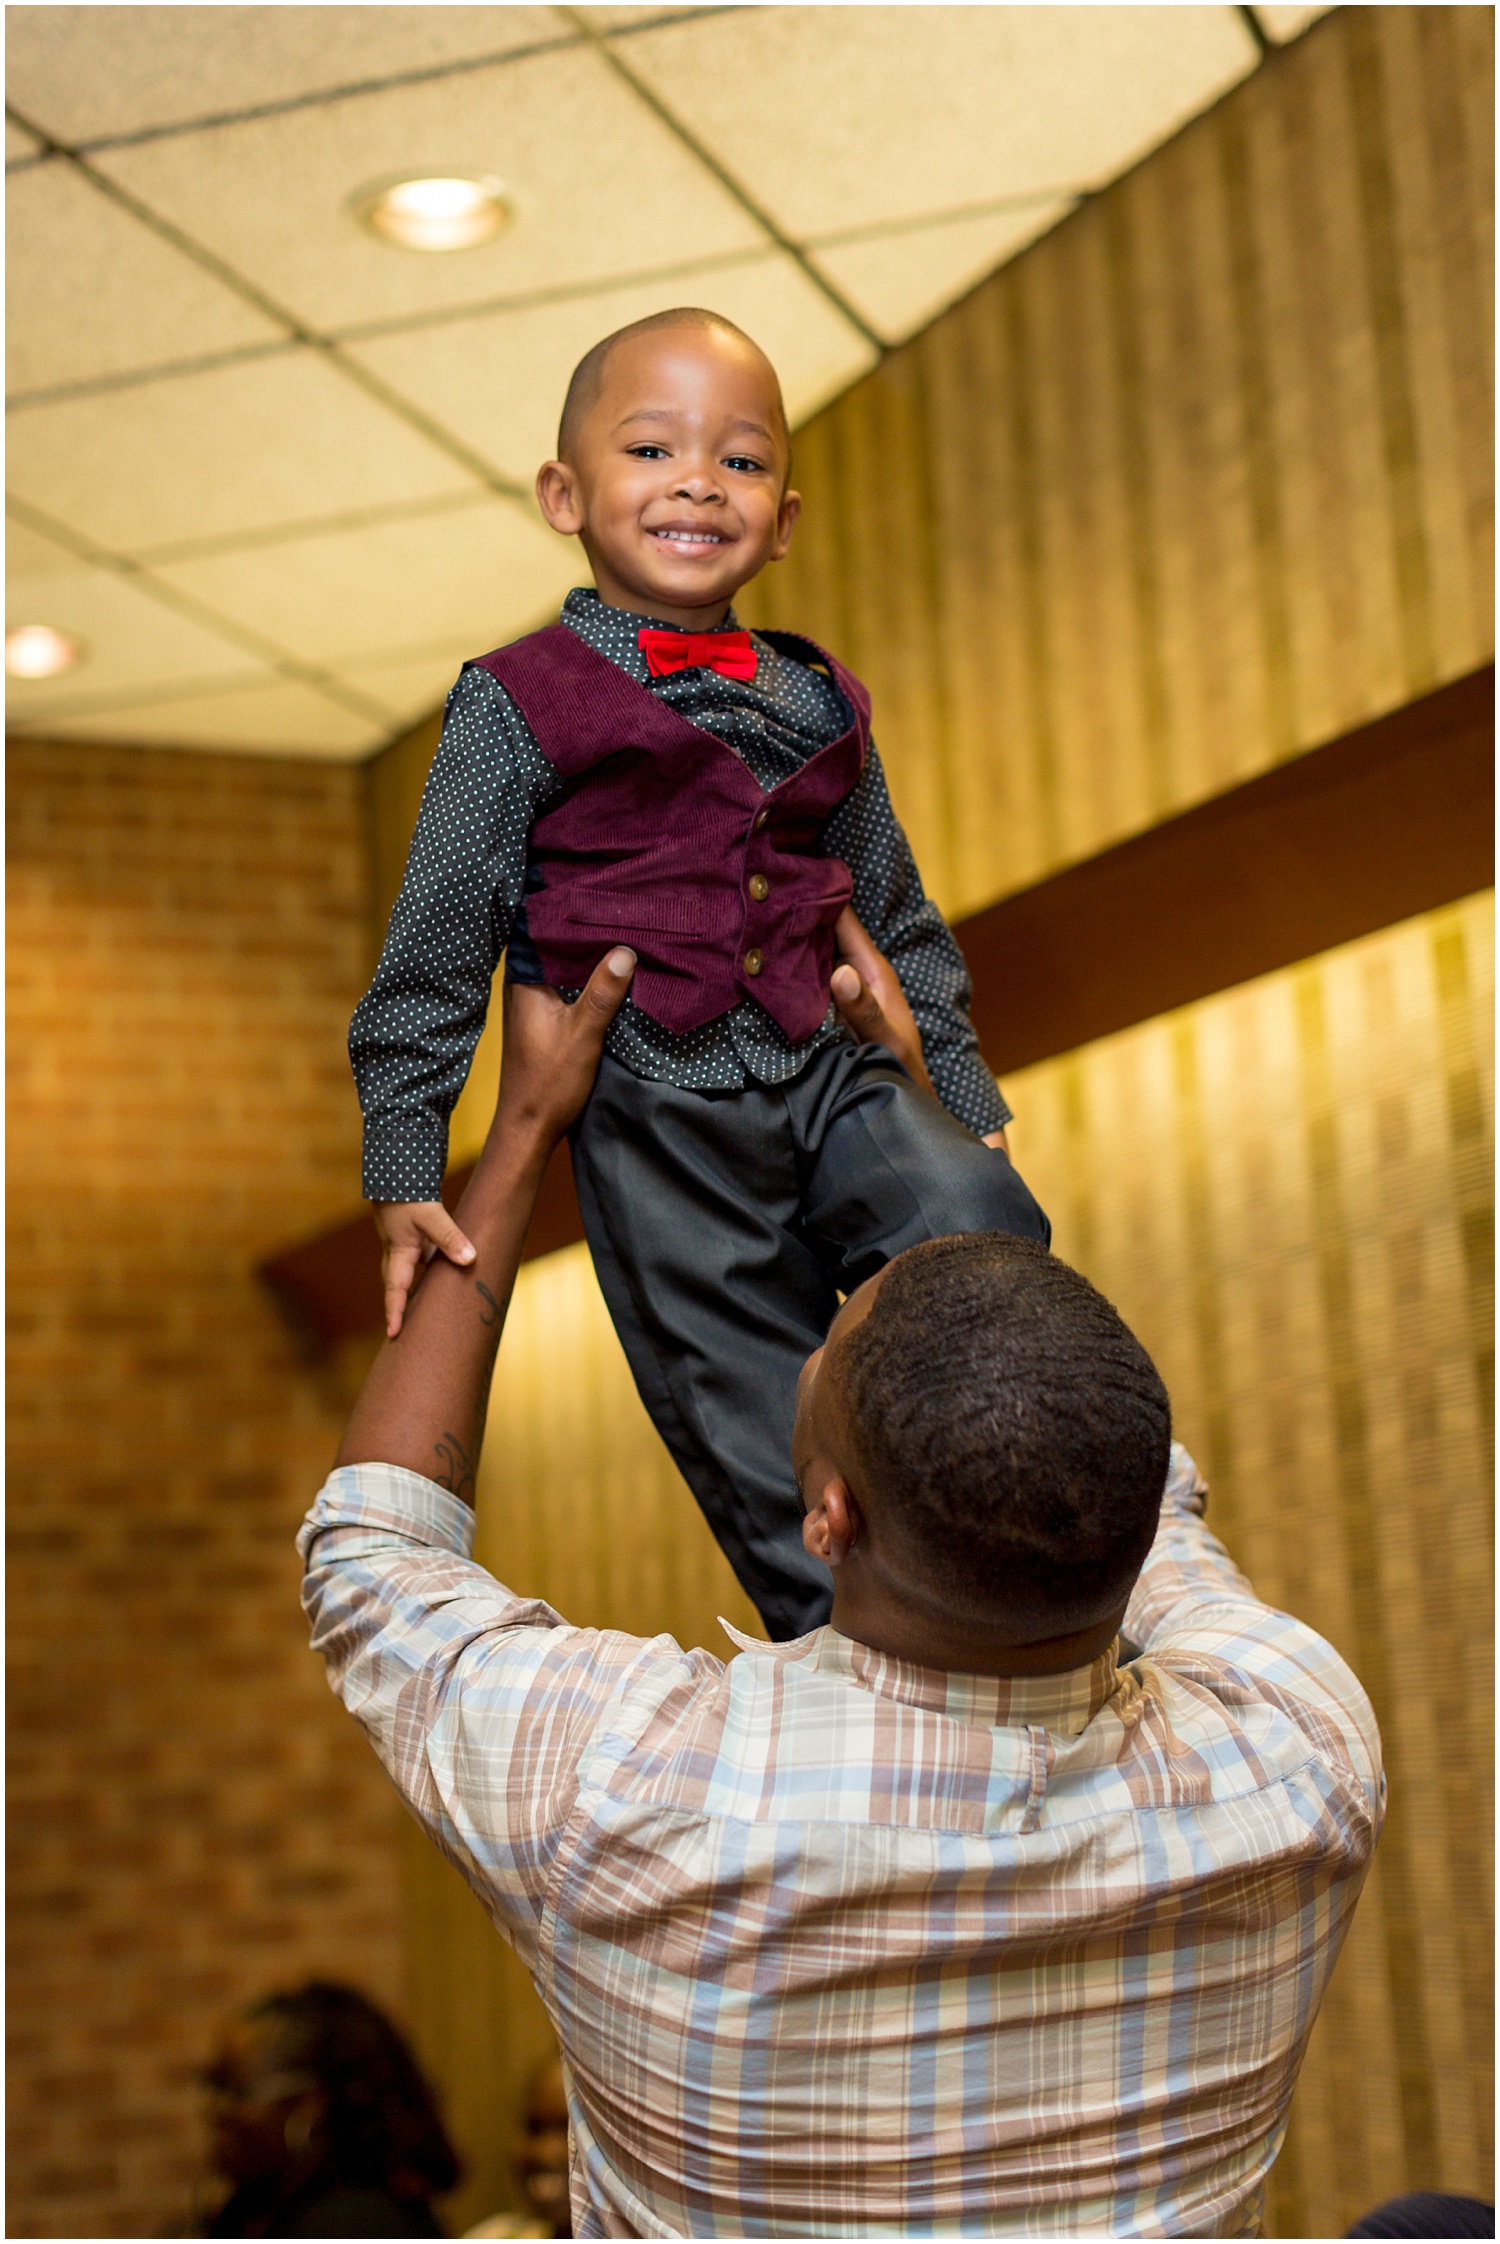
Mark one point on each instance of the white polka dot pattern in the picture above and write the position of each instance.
(462, 903)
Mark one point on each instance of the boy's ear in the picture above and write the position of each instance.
(786, 521)
(557, 496)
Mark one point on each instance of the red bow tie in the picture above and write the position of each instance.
(728, 652)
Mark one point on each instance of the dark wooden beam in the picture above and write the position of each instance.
(1392, 819)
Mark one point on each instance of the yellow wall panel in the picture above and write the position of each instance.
(1200, 481)
(1287, 1191)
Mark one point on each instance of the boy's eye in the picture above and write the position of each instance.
(746, 462)
(648, 451)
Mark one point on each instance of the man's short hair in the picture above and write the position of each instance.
(588, 375)
(1012, 1432)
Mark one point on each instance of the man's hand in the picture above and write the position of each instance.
(871, 1000)
(551, 1057)
(552, 1050)
(411, 1233)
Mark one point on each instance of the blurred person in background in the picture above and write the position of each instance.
(542, 2152)
(322, 2124)
(541, 2162)
(1428, 2213)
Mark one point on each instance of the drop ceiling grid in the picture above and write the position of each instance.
(265, 487)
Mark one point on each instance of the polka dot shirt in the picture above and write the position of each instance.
(463, 903)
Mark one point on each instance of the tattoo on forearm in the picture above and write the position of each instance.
(455, 1470)
(490, 1314)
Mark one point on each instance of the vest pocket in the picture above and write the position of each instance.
(653, 911)
(810, 913)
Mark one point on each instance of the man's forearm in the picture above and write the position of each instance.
(423, 1405)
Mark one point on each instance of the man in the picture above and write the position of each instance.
(1001, 1906)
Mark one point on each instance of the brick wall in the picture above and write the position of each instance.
(192, 1818)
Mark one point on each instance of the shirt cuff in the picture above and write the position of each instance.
(404, 1158)
(970, 1093)
(389, 1500)
(1186, 1492)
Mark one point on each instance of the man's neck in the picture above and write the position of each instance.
(927, 1638)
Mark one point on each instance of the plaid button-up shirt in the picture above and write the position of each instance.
(839, 1946)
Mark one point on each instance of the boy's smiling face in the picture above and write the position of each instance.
(675, 479)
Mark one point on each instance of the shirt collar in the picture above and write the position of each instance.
(594, 621)
(1064, 1704)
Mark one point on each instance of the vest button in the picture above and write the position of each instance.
(759, 820)
(759, 886)
(754, 961)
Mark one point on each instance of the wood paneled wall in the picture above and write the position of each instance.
(1200, 481)
(1288, 1192)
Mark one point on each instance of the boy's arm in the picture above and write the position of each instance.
(907, 926)
(413, 1035)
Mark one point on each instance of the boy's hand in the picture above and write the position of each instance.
(411, 1233)
(871, 1000)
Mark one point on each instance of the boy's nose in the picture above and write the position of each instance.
(700, 485)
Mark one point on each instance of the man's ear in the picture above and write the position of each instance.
(830, 1525)
(557, 496)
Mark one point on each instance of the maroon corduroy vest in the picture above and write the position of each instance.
(662, 838)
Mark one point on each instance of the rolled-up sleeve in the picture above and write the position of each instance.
(485, 1708)
(1195, 1613)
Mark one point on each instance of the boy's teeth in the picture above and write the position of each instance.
(690, 537)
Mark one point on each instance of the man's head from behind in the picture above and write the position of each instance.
(1000, 1439)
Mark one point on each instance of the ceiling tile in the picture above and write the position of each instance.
(500, 381)
(845, 116)
(412, 686)
(901, 280)
(89, 290)
(19, 144)
(627, 18)
(1282, 24)
(29, 554)
(131, 640)
(273, 720)
(87, 72)
(471, 579)
(236, 449)
(599, 187)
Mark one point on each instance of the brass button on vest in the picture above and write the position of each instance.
(753, 962)
(759, 886)
(759, 820)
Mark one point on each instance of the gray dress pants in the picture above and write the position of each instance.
(725, 1224)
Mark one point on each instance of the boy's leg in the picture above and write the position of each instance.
(690, 1201)
(887, 1167)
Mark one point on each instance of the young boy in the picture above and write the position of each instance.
(645, 774)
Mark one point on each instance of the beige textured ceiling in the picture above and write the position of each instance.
(275, 475)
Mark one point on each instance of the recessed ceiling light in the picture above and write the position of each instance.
(435, 214)
(35, 650)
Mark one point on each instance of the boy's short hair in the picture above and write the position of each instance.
(1012, 1432)
(588, 375)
